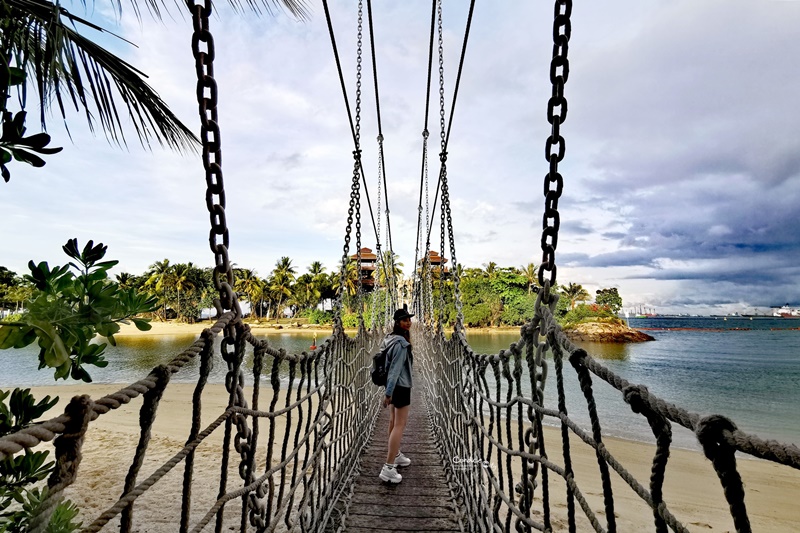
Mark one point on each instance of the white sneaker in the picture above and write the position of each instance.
(402, 460)
(389, 474)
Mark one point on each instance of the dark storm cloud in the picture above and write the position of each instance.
(576, 227)
(688, 132)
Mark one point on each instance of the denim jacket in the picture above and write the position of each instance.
(398, 354)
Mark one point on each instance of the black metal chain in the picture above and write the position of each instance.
(359, 59)
(203, 51)
(555, 146)
(442, 154)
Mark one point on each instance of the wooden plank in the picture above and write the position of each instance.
(369, 498)
(401, 489)
(418, 511)
(421, 502)
(416, 457)
(405, 523)
(375, 483)
(370, 530)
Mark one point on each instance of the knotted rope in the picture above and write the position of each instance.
(481, 412)
(325, 398)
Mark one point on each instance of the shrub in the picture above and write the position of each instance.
(19, 499)
(588, 313)
(350, 320)
(315, 316)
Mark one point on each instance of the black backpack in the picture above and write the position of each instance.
(380, 369)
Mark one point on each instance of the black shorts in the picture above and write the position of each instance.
(401, 396)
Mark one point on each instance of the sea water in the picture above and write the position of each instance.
(748, 370)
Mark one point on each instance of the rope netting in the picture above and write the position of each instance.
(489, 410)
(297, 443)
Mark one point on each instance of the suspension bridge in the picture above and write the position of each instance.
(301, 435)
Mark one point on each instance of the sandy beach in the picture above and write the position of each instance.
(182, 328)
(692, 490)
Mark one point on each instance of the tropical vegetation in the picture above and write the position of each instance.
(491, 295)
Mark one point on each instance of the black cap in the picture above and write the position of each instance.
(400, 314)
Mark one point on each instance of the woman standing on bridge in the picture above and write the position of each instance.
(397, 347)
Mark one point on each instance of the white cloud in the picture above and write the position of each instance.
(681, 165)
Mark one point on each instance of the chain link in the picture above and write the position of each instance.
(555, 146)
(442, 153)
(204, 52)
(359, 60)
(381, 264)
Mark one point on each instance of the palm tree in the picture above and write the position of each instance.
(575, 293)
(158, 278)
(181, 279)
(530, 273)
(280, 285)
(306, 291)
(352, 282)
(391, 270)
(491, 269)
(42, 45)
(248, 282)
(284, 267)
(125, 280)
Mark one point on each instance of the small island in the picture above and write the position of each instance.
(596, 322)
(614, 330)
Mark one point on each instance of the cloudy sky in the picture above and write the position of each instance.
(682, 173)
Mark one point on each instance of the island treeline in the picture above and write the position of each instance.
(491, 295)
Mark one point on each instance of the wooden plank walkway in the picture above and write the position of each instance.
(422, 501)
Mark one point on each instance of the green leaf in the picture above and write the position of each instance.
(39, 140)
(16, 336)
(71, 249)
(27, 157)
(142, 324)
(16, 76)
(5, 155)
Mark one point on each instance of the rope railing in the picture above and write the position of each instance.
(487, 414)
(295, 476)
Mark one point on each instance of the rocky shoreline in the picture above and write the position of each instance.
(606, 332)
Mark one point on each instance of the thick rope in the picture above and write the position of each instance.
(478, 411)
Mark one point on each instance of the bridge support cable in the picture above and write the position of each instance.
(355, 127)
(445, 128)
(418, 292)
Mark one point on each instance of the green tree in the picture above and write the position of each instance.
(491, 269)
(530, 272)
(181, 278)
(8, 280)
(306, 292)
(125, 280)
(158, 279)
(45, 46)
(391, 270)
(609, 298)
(575, 293)
(352, 282)
(248, 282)
(280, 285)
(41, 45)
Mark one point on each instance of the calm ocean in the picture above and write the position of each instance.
(746, 369)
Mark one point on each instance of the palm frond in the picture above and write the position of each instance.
(69, 67)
